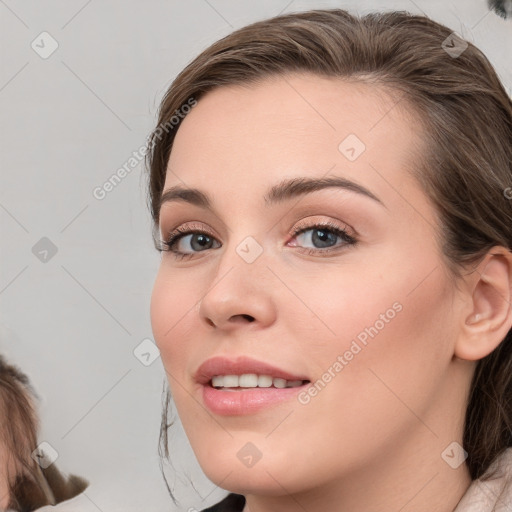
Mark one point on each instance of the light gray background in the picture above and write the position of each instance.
(68, 123)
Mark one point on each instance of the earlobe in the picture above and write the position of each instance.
(490, 315)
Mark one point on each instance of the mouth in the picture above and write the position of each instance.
(232, 387)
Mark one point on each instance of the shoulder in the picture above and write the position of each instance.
(231, 503)
(493, 495)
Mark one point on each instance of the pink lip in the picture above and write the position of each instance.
(245, 401)
(224, 366)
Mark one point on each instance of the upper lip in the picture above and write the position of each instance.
(223, 366)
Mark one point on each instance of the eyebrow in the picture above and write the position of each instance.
(283, 191)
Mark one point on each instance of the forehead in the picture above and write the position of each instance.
(244, 137)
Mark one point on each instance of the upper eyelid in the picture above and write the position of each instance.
(190, 225)
(332, 224)
(301, 225)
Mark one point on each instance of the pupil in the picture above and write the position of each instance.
(202, 240)
(323, 237)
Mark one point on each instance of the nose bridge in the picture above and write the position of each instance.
(240, 286)
(246, 251)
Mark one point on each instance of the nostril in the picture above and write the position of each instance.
(241, 318)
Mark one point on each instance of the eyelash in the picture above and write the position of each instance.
(180, 232)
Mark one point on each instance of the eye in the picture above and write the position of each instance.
(185, 241)
(323, 237)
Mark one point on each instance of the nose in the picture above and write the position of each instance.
(240, 294)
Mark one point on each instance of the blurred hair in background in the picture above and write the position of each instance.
(501, 7)
(24, 484)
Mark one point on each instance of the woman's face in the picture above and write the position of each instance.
(367, 319)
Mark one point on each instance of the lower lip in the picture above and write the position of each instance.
(246, 401)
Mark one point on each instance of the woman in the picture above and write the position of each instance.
(26, 485)
(332, 196)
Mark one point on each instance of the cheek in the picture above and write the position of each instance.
(392, 344)
(391, 316)
(173, 303)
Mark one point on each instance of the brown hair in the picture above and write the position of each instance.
(465, 168)
(29, 486)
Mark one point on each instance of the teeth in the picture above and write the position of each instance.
(251, 380)
(218, 382)
(264, 381)
(231, 381)
(279, 383)
(247, 380)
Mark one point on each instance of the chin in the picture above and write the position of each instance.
(253, 481)
(266, 477)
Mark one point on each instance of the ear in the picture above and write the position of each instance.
(487, 318)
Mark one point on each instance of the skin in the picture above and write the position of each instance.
(372, 439)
